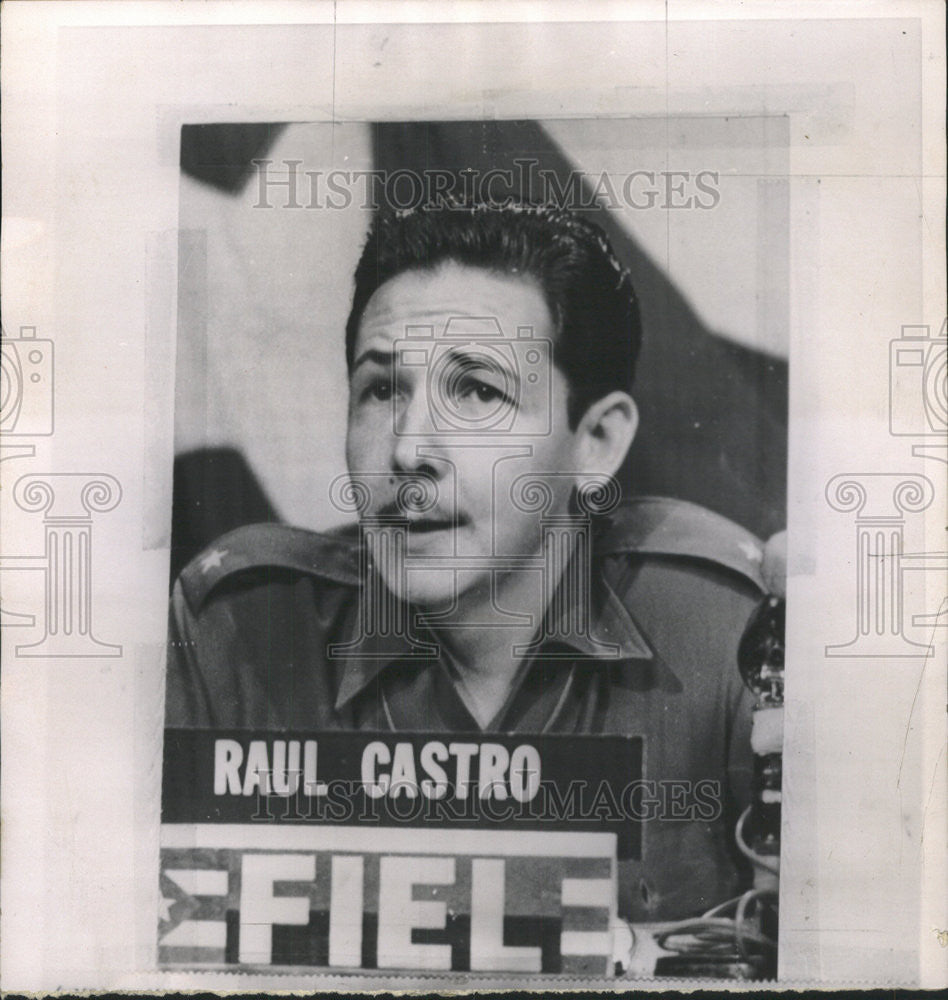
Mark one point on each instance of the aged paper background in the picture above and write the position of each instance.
(94, 97)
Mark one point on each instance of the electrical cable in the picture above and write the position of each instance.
(768, 864)
(740, 918)
(712, 935)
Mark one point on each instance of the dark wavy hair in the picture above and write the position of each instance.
(588, 291)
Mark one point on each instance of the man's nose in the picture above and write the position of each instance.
(413, 428)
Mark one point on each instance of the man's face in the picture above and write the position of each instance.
(453, 381)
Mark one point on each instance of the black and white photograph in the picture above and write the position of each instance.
(474, 497)
(515, 567)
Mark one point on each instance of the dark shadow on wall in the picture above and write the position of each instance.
(214, 491)
(713, 413)
(222, 154)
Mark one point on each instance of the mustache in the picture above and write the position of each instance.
(416, 497)
(394, 508)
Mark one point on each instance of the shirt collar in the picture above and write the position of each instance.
(612, 636)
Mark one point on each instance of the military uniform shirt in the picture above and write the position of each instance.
(673, 585)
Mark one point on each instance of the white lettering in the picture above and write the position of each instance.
(431, 753)
(524, 773)
(463, 752)
(345, 911)
(228, 755)
(375, 753)
(286, 767)
(399, 913)
(488, 951)
(404, 778)
(257, 774)
(493, 771)
(260, 909)
(311, 786)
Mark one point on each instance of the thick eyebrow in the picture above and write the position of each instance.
(460, 356)
(386, 359)
(383, 358)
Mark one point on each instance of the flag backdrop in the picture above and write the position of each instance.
(265, 285)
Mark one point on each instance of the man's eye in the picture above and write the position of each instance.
(482, 392)
(486, 393)
(380, 389)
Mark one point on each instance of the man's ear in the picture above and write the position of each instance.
(605, 433)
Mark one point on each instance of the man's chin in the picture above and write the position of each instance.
(432, 589)
(429, 590)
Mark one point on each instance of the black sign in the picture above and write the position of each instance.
(521, 782)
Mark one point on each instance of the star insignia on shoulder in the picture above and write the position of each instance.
(751, 551)
(164, 909)
(212, 560)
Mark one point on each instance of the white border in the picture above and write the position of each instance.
(90, 200)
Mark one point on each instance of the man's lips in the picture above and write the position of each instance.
(426, 525)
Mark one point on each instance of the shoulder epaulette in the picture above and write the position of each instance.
(333, 556)
(663, 526)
